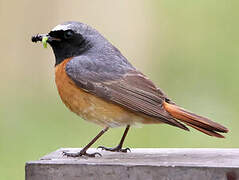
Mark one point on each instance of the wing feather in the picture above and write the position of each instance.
(125, 86)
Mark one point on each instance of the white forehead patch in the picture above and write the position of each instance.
(61, 27)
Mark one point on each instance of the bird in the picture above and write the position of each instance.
(95, 81)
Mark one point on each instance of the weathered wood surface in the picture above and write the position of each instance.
(145, 164)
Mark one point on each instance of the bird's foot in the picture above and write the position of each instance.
(81, 153)
(115, 149)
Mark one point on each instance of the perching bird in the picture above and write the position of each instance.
(97, 82)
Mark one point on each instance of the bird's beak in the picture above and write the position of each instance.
(44, 38)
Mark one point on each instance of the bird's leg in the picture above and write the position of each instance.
(119, 147)
(83, 151)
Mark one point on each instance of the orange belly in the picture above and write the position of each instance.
(92, 108)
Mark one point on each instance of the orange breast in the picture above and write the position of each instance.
(92, 108)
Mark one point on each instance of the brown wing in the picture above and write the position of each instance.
(127, 87)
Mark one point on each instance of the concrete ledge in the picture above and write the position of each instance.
(145, 164)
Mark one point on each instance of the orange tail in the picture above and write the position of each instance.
(198, 122)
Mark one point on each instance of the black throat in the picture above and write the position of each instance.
(65, 50)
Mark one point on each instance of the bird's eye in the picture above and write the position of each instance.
(68, 34)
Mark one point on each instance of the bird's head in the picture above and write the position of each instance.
(70, 39)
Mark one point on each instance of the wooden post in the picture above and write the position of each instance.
(145, 164)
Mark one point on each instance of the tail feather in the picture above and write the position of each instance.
(210, 133)
(200, 123)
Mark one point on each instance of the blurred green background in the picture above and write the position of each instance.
(188, 48)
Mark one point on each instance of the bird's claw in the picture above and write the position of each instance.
(116, 149)
(78, 154)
